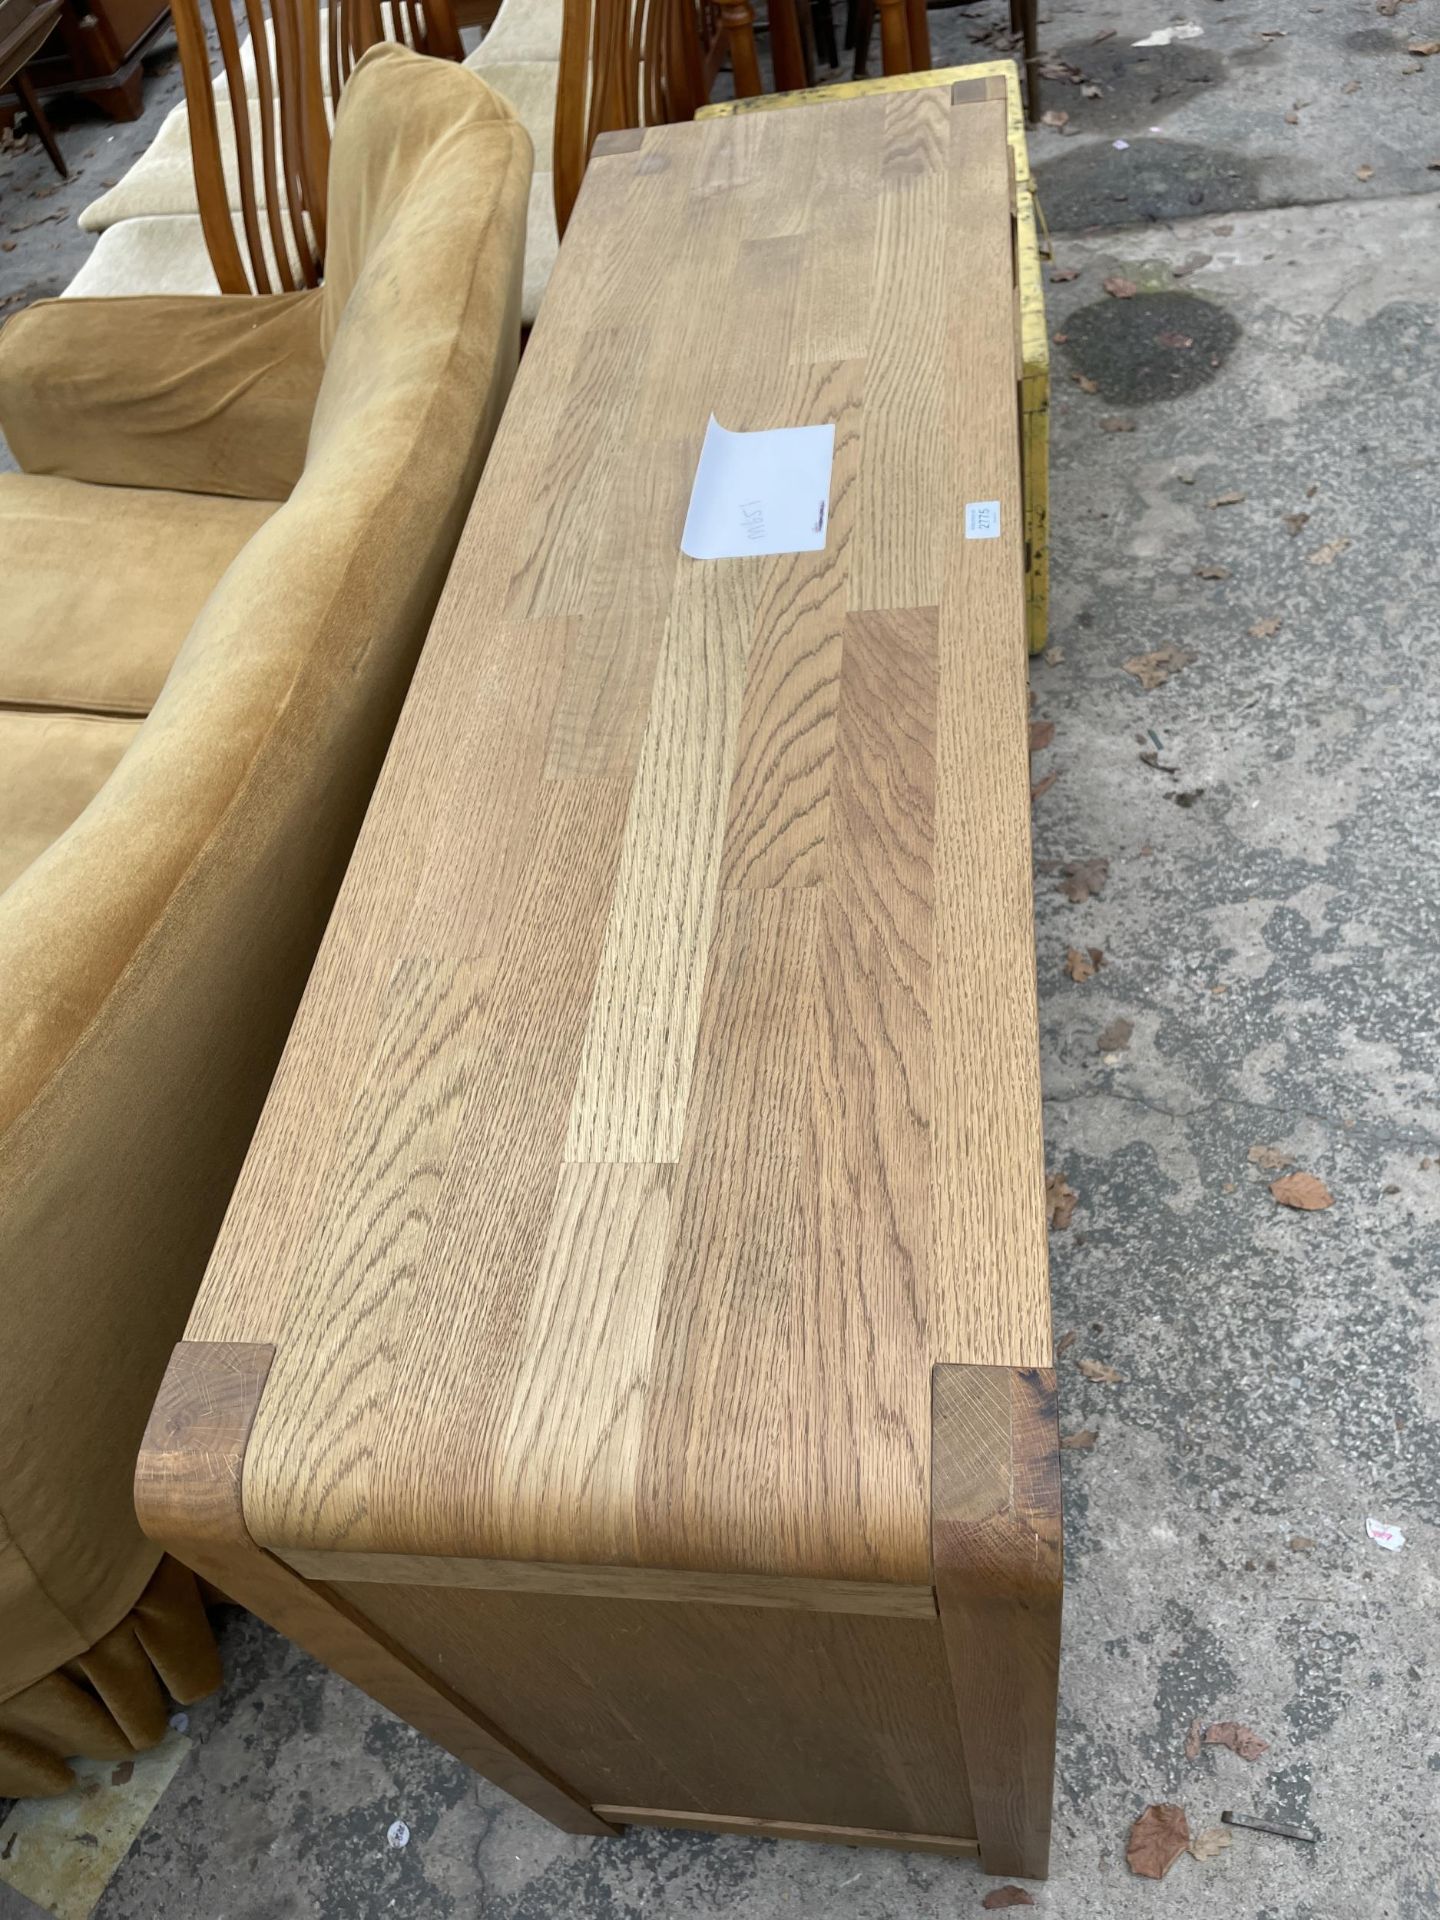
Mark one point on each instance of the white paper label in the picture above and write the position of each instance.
(982, 520)
(761, 492)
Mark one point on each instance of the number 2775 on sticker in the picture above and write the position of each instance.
(982, 520)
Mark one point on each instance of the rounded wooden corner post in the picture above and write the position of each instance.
(996, 1544)
(188, 1499)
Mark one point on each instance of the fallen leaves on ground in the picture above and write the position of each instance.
(1060, 1201)
(1065, 1342)
(1081, 1442)
(1084, 963)
(1351, 86)
(1269, 1157)
(1081, 878)
(1116, 1037)
(1209, 1844)
(1208, 572)
(1292, 119)
(1091, 92)
(1059, 275)
(1364, 173)
(1119, 288)
(1226, 500)
(1098, 1370)
(1042, 732)
(1085, 383)
(1037, 787)
(1295, 521)
(1425, 48)
(1303, 1191)
(1115, 424)
(1266, 629)
(1154, 669)
(1007, 1897)
(1176, 340)
(1242, 1740)
(1300, 1543)
(1056, 117)
(1327, 555)
(1194, 1739)
(1157, 1840)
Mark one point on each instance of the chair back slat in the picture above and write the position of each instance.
(265, 228)
(623, 63)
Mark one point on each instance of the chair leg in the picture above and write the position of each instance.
(864, 30)
(1024, 21)
(823, 21)
(40, 120)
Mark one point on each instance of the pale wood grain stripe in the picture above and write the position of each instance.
(904, 465)
(633, 1085)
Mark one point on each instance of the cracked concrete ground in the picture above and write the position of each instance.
(1271, 930)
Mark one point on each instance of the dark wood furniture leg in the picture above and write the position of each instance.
(894, 37)
(823, 28)
(40, 120)
(917, 22)
(996, 1541)
(862, 30)
(787, 49)
(739, 18)
(1024, 20)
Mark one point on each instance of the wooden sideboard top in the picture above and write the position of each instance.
(665, 1100)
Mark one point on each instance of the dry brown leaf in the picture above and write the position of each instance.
(1326, 556)
(1364, 173)
(1295, 521)
(1007, 1897)
(1059, 275)
(1098, 1370)
(1211, 1843)
(1119, 288)
(1432, 166)
(1351, 86)
(1042, 732)
(1208, 572)
(1303, 1192)
(1157, 1840)
(1091, 92)
(1082, 1442)
(1269, 1157)
(1266, 629)
(1194, 1739)
(1116, 1037)
(1300, 1543)
(1425, 48)
(1225, 500)
(1081, 878)
(1172, 339)
(1114, 424)
(1085, 383)
(1042, 786)
(1056, 117)
(1292, 119)
(1060, 1201)
(1065, 1342)
(1084, 964)
(1154, 669)
(1242, 1740)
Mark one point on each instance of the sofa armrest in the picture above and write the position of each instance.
(200, 394)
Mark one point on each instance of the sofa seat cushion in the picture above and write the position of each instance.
(101, 637)
(158, 253)
(162, 180)
(52, 765)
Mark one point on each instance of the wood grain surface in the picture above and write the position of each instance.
(664, 1103)
(188, 1497)
(997, 1543)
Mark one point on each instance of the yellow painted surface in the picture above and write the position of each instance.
(1034, 335)
(61, 1853)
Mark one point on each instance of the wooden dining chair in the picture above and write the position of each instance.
(623, 64)
(301, 55)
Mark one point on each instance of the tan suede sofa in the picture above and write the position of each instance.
(219, 563)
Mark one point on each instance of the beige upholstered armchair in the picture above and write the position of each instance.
(220, 560)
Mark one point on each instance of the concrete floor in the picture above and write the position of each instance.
(1271, 931)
